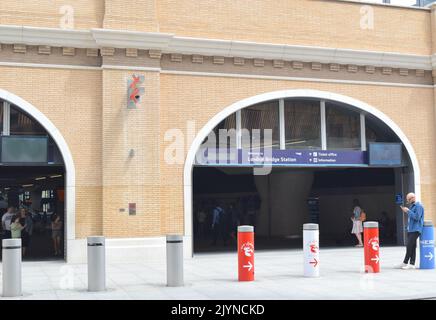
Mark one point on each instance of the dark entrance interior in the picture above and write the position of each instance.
(279, 203)
(39, 189)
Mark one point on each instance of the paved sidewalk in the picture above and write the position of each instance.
(213, 276)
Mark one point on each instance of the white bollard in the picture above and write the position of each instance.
(11, 267)
(311, 249)
(174, 260)
(96, 264)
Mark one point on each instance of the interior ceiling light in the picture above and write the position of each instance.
(27, 185)
(56, 176)
(41, 178)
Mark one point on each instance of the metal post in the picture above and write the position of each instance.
(174, 260)
(371, 248)
(311, 249)
(245, 253)
(11, 267)
(96, 264)
(426, 246)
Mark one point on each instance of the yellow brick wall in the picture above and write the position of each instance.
(130, 179)
(71, 99)
(322, 23)
(135, 15)
(48, 13)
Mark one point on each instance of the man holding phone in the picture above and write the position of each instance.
(415, 223)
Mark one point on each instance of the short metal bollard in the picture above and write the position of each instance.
(11, 267)
(96, 264)
(174, 260)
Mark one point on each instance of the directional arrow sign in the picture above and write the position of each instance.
(249, 266)
(429, 256)
(376, 259)
(315, 262)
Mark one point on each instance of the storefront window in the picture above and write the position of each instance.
(343, 127)
(255, 120)
(22, 124)
(302, 124)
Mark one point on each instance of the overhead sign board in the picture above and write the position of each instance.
(210, 156)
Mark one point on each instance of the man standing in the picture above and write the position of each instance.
(415, 223)
(218, 224)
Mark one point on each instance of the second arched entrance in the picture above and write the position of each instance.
(325, 153)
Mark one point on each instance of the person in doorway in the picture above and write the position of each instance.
(201, 219)
(56, 234)
(16, 227)
(6, 222)
(25, 235)
(415, 224)
(3, 205)
(218, 224)
(357, 222)
(385, 224)
(252, 205)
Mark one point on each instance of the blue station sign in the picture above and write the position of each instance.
(245, 157)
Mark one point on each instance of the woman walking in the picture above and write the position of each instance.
(357, 222)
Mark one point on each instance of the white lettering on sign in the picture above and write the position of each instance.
(376, 259)
(249, 266)
(374, 243)
(248, 249)
(427, 242)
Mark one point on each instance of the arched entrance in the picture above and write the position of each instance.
(57, 148)
(351, 103)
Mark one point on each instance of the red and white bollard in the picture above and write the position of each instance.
(371, 247)
(311, 249)
(245, 253)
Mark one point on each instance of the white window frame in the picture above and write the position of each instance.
(323, 125)
(6, 118)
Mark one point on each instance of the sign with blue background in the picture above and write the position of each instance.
(211, 156)
(426, 247)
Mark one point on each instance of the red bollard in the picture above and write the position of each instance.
(246, 253)
(371, 247)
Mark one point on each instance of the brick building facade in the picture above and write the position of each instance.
(71, 62)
